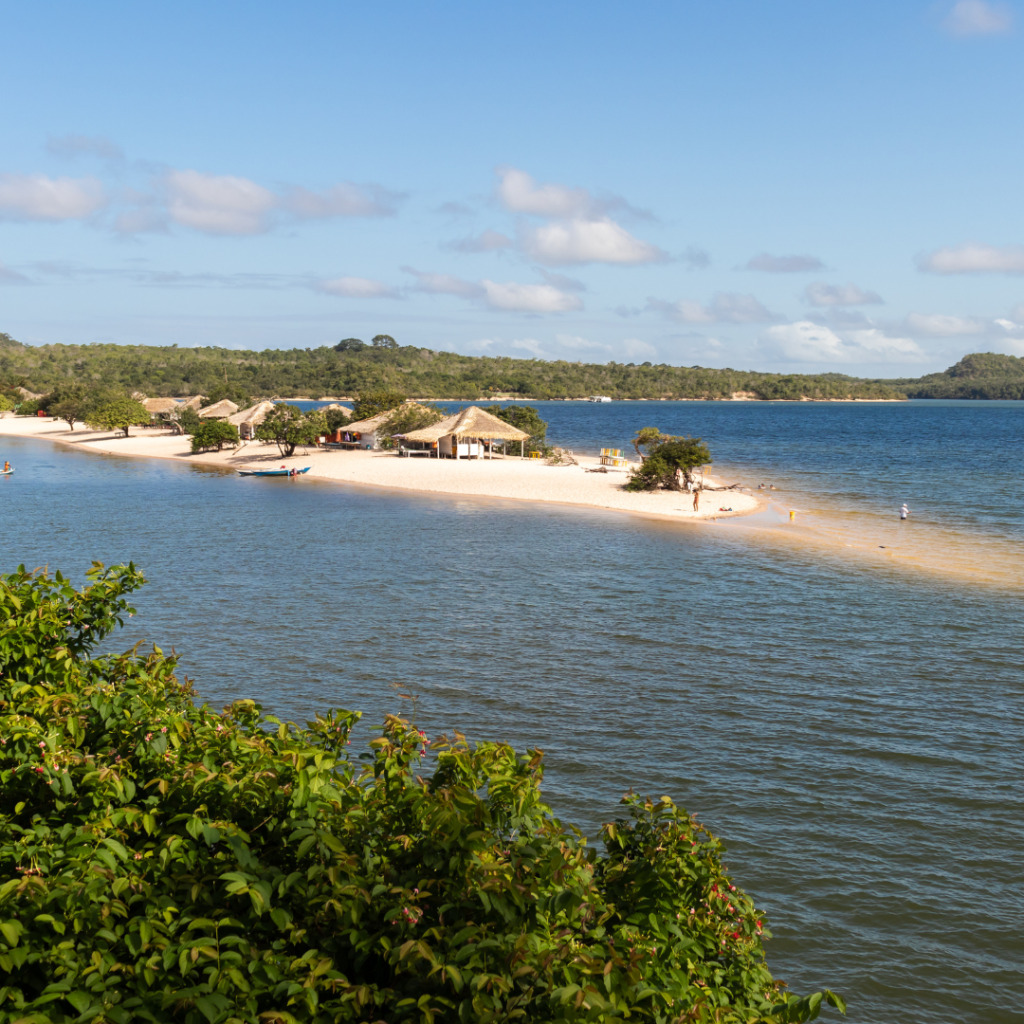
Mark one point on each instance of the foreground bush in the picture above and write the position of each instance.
(213, 434)
(160, 861)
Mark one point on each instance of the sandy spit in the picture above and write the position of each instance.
(521, 480)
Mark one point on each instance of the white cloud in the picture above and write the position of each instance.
(821, 294)
(974, 258)
(726, 307)
(806, 342)
(784, 264)
(529, 298)
(357, 288)
(978, 18)
(578, 344)
(938, 325)
(36, 197)
(444, 284)
(219, 204)
(531, 345)
(519, 193)
(587, 241)
(341, 200)
(635, 347)
(488, 241)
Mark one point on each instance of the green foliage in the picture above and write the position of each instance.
(214, 434)
(163, 862)
(523, 417)
(31, 406)
(666, 460)
(230, 392)
(384, 341)
(7, 403)
(348, 368)
(647, 438)
(288, 426)
(377, 400)
(411, 416)
(336, 418)
(71, 401)
(190, 421)
(118, 414)
(981, 375)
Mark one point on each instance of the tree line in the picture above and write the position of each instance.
(352, 367)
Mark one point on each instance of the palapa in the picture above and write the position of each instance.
(253, 416)
(160, 406)
(193, 403)
(369, 425)
(219, 410)
(470, 422)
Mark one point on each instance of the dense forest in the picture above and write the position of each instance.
(352, 366)
(980, 375)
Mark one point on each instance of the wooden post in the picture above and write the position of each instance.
(522, 449)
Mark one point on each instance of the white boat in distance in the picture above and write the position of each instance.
(598, 398)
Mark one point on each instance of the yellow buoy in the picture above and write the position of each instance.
(792, 516)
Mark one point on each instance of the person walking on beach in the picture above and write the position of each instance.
(904, 511)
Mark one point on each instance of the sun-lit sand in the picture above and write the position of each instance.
(520, 479)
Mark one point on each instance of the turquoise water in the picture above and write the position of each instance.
(853, 731)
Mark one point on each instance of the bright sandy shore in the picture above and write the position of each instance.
(522, 480)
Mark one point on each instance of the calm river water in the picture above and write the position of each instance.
(852, 730)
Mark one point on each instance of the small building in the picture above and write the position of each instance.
(469, 434)
(161, 406)
(219, 410)
(247, 420)
(365, 431)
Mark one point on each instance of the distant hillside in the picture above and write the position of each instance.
(979, 375)
(353, 366)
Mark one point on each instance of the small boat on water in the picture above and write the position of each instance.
(598, 398)
(273, 472)
(6, 472)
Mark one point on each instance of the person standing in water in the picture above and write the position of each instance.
(904, 511)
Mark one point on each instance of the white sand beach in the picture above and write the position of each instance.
(519, 479)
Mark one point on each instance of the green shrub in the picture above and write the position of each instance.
(370, 403)
(119, 414)
(160, 861)
(667, 459)
(213, 434)
(189, 420)
(524, 417)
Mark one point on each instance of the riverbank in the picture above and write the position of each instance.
(519, 479)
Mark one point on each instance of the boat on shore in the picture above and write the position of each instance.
(273, 472)
(598, 398)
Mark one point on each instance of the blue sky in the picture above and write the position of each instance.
(796, 186)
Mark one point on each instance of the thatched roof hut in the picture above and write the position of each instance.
(219, 410)
(454, 435)
(161, 406)
(247, 420)
(470, 422)
(192, 403)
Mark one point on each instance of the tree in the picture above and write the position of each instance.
(189, 420)
(524, 417)
(288, 426)
(336, 418)
(165, 862)
(384, 341)
(647, 437)
(411, 416)
(372, 402)
(70, 401)
(119, 414)
(665, 462)
(349, 345)
(214, 434)
(231, 392)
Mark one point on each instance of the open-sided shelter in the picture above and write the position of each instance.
(464, 434)
(219, 410)
(161, 406)
(247, 420)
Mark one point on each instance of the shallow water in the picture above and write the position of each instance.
(852, 730)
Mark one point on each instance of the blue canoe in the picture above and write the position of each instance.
(272, 472)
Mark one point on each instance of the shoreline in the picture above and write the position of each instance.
(508, 478)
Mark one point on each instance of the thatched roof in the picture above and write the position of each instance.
(254, 415)
(192, 403)
(335, 405)
(160, 406)
(470, 422)
(219, 410)
(368, 426)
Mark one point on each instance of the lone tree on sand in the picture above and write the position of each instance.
(288, 426)
(647, 438)
(70, 402)
(666, 462)
(119, 414)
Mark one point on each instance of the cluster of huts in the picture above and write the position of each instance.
(470, 433)
(247, 420)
